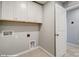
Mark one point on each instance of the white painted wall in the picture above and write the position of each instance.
(19, 41)
(47, 28)
(73, 29)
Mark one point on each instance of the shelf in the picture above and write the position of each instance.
(23, 21)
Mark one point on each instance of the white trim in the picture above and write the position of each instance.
(26, 51)
(71, 44)
(46, 51)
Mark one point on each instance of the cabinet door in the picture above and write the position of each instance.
(8, 10)
(21, 11)
(34, 12)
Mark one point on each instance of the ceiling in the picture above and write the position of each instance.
(43, 2)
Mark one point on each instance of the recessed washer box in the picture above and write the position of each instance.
(7, 33)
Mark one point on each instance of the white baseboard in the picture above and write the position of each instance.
(71, 44)
(26, 51)
(46, 51)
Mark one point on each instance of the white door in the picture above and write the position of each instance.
(60, 30)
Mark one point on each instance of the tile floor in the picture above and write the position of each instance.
(71, 52)
(35, 53)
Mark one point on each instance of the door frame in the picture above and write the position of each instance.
(54, 31)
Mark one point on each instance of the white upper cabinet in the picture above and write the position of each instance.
(34, 12)
(21, 11)
(14, 10)
(8, 10)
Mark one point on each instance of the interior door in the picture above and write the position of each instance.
(60, 30)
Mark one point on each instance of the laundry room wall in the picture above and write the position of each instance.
(73, 26)
(46, 40)
(18, 41)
